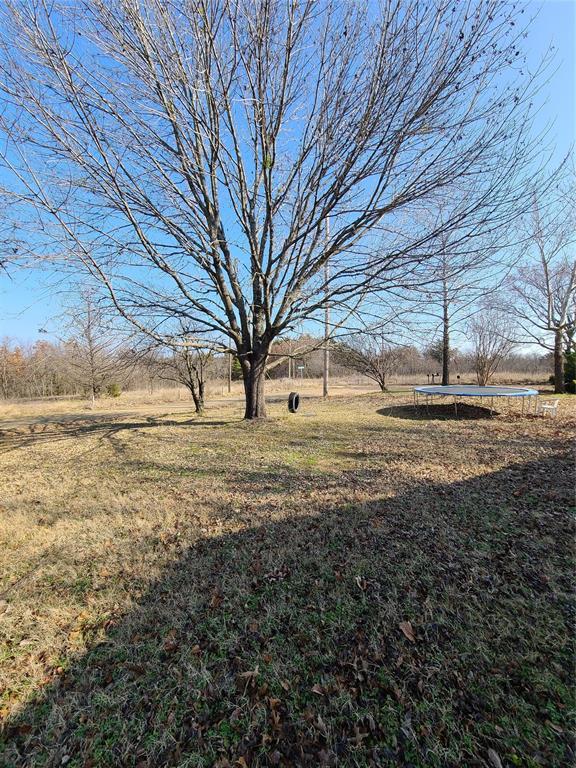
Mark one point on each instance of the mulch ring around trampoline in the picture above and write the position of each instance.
(440, 411)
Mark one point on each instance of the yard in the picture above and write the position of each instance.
(355, 585)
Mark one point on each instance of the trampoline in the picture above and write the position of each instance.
(457, 391)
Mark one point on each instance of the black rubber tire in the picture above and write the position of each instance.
(293, 402)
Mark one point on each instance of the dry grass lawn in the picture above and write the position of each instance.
(355, 585)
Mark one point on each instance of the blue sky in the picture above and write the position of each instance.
(29, 299)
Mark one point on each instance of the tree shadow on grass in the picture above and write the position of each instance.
(56, 431)
(420, 630)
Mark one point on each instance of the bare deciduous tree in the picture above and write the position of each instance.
(92, 348)
(491, 335)
(459, 283)
(190, 154)
(185, 365)
(11, 367)
(543, 289)
(370, 355)
(463, 272)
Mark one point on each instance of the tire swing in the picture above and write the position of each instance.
(293, 402)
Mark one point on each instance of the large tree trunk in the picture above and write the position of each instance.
(445, 345)
(558, 362)
(254, 372)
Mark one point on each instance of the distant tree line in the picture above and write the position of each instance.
(63, 368)
(48, 369)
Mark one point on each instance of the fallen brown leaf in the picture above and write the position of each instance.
(171, 642)
(407, 630)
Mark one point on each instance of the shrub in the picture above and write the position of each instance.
(570, 372)
(113, 390)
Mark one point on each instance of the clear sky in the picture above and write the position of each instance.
(30, 299)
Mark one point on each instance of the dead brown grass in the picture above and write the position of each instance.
(249, 582)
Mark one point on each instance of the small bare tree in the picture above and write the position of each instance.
(370, 355)
(184, 365)
(190, 154)
(491, 335)
(93, 350)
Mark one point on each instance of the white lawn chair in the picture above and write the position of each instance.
(548, 406)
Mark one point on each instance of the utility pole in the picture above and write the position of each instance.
(326, 322)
